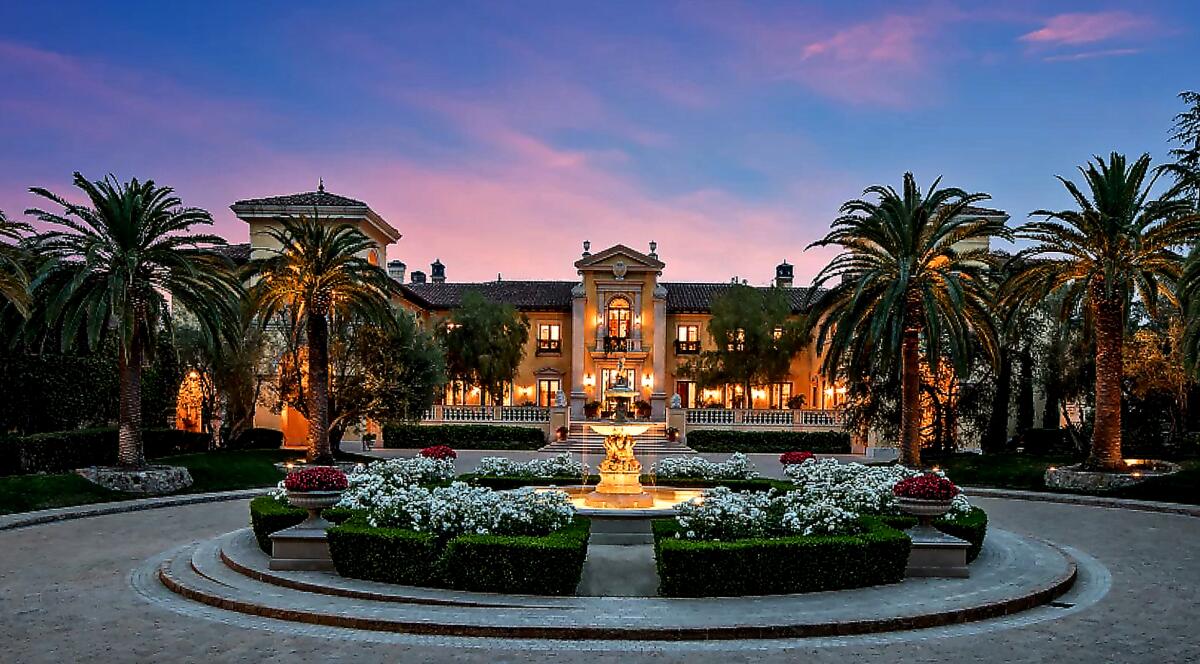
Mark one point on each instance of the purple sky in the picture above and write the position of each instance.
(498, 136)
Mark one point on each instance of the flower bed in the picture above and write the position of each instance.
(789, 458)
(821, 442)
(725, 515)
(560, 465)
(438, 452)
(549, 564)
(929, 486)
(858, 488)
(317, 478)
(876, 554)
(370, 484)
(269, 515)
(502, 483)
(737, 467)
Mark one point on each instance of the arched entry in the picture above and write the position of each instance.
(189, 403)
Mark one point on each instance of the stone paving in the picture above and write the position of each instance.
(66, 596)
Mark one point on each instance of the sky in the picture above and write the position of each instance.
(498, 136)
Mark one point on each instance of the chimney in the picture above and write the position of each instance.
(418, 277)
(437, 272)
(783, 275)
(396, 270)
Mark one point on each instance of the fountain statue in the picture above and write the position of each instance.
(620, 472)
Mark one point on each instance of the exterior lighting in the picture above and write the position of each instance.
(648, 380)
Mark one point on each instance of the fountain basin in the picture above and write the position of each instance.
(625, 524)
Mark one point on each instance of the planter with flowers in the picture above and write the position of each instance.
(927, 497)
(439, 452)
(314, 489)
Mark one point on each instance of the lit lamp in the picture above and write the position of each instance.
(589, 379)
(648, 381)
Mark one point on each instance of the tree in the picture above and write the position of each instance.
(903, 280)
(753, 338)
(112, 270)
(396, 371)
(318, 272)
(485, 343)
(14, 278)
(1119, 243)
(1186, 132)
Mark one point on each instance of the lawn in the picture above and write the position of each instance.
(211, 471)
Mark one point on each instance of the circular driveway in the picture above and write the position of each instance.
(66, 596)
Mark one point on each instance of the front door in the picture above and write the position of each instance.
(608, 378)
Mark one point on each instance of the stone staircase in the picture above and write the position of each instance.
(653, 442)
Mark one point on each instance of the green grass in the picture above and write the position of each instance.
(211, 471)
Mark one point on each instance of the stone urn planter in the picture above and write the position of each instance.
(925, 510)
(314, 502)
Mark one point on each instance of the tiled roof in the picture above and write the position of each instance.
(556, 295)
(524, 295)
(686, 297)
(238, 253)
(306, 199)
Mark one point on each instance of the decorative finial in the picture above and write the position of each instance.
(587, 247)
(321, 185)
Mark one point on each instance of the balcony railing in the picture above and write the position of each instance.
(792, 419)
(524, 414)
(549, 346)
(687, 347)
(616, 344)
(533, 414)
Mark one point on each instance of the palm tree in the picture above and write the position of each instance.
(1121, 242)
(904, 279)
(317, 272)
(116, 267)
(14, 279)
(1189, 296)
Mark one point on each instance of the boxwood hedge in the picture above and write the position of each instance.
(463, 436)
(268, 515)
(689, 568)
(972, 527)
(59, 451)
(821, 442)
(547, 565)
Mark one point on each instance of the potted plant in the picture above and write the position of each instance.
(439, 452)
(591, 410)
(314, 489)
(796, 402)
(926, 497)
(561, 433)
(642, 408)
(672, 434)
(794, 457)
(368, 440)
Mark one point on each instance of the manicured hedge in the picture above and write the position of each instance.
(257, 438)
(549, 565)
(463, 436)
(972, 527)
(503, 483)
(688, 568)
(60, 451)
(268, 515)
(821, 442)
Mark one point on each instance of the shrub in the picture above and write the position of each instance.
(373, 484)
(788, 458)
(463, 436)
(60, 451)
(546, 565)
(970, 526)
(738, 467)
(821, 442)
(723, 514)
(316, 478)
(559, 465)
(501, 483)
(269, 515)
(690, 568)
(925, 487)
(1043, 442)
(591, 409)
(859, 488)
(257, 438)
(461, 509)
(440, 452)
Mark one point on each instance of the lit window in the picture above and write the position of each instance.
(687, 339)
(548, 338)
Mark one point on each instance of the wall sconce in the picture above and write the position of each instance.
(637, 320)
(648, 381)
(589, 379)
(599, 319)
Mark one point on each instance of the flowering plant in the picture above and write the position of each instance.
(317, 478)
(859, 488)
(926, 487)
(368, 485)
(723, 514)
(738, 467)
(561, 465)
(438, 452)
(461, 509)
(789, 458)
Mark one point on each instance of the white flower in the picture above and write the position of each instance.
(370, 485)
(561, 465)
(856, 487)
(738, 467)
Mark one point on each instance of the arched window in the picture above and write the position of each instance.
(618, 318)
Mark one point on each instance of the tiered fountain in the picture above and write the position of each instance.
(620, 472)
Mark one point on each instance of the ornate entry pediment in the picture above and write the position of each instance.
(620, 260)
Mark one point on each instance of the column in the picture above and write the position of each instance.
(658, 394)
(578, 341)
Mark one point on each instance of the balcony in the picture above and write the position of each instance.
(616, 344)
(687, 347)
(549, 346)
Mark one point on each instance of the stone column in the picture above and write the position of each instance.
(658, 394)
(578, 341)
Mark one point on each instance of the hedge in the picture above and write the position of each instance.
(268, 515)
(546, 565)
(972, 527)
(821, 442)
(61, 451)
(257, 438)
(504, 483)
(690, 568)
(463, 436)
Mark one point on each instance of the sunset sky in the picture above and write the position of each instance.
(498, 136)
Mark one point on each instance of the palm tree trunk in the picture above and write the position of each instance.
(995, 439)
(129, 420)
(318, 390)
(910, 400)
(1110, 327)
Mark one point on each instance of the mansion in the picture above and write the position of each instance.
(618, 315)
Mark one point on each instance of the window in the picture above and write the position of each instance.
(737, 340)
(618, 318)
(686, 390)
(781, 394)
(549, 341)
(547, 391)
(687, 339)
(777, 333)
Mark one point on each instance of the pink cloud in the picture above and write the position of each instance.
(1092, 55)
(1074, 29)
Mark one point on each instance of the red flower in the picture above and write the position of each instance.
(317, 478)
(926, 487)
(439, 452)
(789, 458)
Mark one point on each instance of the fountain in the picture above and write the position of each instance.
(620, 472)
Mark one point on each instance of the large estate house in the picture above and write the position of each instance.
(621, 314)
